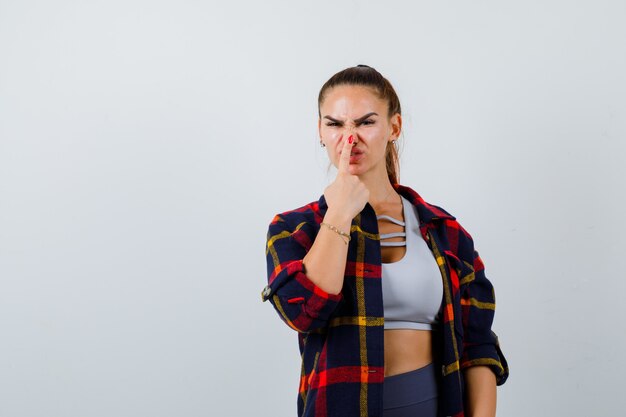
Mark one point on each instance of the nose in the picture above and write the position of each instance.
(350, 130)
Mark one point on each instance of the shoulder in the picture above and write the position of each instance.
(459, 239)
(308, 213)
(456, 240)
(460, 246)
(301, 223)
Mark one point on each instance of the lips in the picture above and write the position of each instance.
(356, 152)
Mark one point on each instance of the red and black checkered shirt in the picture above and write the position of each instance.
(341, 337)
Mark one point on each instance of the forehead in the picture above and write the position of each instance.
(351, 101)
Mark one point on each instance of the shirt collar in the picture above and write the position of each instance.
(426, 212)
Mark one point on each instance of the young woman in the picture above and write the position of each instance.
(386, 291)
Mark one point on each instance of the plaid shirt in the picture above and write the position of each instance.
(340, 336)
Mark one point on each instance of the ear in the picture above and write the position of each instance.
(396, 125)
(319, 128)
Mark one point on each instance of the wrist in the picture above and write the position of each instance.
(338, 219)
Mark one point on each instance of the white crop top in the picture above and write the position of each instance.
(412, 286)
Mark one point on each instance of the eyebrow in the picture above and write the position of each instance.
(359, 120)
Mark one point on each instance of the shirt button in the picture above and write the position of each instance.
(266, 291)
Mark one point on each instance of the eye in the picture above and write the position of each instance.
(368, 122)
(332, 124)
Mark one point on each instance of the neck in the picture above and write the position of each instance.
(380, 188)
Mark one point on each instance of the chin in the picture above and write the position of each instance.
(357, 169)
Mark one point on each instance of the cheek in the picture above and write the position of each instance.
(371, 135)
(332, 135)
(374, 138)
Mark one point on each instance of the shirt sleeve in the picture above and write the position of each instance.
(480, 344)
(299, 302)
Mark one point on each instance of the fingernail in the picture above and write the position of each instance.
(350, 139)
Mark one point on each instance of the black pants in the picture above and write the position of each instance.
(412, 394)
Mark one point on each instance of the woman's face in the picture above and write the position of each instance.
(356, 110)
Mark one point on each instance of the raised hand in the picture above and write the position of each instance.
(347, 195)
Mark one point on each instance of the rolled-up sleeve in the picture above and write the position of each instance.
(480, 344)
(300, 303)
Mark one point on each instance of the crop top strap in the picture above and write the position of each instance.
(394, 234)
(392, 219)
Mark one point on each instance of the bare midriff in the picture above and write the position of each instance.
(405, 349)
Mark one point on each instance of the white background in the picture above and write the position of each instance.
(146, 145)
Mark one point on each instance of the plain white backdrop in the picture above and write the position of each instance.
(146, 145)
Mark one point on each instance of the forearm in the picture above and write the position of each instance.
(325, 262)
(480, 386)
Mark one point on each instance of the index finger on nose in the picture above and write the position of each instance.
(344, 159)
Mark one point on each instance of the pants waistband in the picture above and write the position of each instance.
(411, 387)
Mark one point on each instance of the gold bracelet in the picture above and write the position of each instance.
(334, 229)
